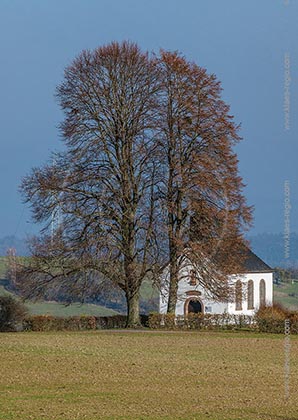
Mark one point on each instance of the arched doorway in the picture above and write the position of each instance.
(193, 305)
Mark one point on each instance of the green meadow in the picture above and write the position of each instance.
(55, 308)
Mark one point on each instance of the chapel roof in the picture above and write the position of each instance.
(253, 264)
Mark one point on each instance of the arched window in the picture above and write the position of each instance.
(250, 294)
(262, 293)
(238, 295)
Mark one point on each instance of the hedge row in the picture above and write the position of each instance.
(268, 324)
(201, 322)
(268, 320)
(73, 323)
(272, 319)
(76, 323)
(13, 317)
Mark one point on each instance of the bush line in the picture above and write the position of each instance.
(271, 319)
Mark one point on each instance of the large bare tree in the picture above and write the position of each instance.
(202, 191)
(103, 185)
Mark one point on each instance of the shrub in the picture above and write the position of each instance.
(242, 322)
(51, 323)
(42, 323)
(155, 320)
(167, 321)
(271, 319)
(12, 313)
(194, 321)
(87, 323)
(73, 323)
(144, 320)
(201, 321)
(294, 322)
(109, 322)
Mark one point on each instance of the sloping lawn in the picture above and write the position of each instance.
(75, 309)
(287, 295)
(146, 375)
(58, 309)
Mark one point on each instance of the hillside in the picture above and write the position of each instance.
(58, 309)
(287, 295)
(271, 248)
(55, 308)
(111, 303)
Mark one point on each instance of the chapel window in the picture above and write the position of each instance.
(238, 295)
(262, 293)
(250, 294)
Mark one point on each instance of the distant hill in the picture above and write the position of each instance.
(58, 309)
(271, 248)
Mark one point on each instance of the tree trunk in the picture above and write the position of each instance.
(173, 287)
(133, 310)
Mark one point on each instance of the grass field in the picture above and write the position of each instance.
(146, 375)
(58, 309)
(287, 295)
(75, 309)
(55, 308)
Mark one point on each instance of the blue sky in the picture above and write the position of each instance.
(242, 41)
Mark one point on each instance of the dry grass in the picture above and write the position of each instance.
(145, 375)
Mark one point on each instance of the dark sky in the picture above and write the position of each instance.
(243, 42)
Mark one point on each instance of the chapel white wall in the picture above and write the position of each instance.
(211, 306)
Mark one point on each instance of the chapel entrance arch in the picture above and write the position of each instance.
(193, 305)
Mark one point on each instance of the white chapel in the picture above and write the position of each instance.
(253, 288)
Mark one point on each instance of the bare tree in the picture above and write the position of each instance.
(104, 183)
(202, 191)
